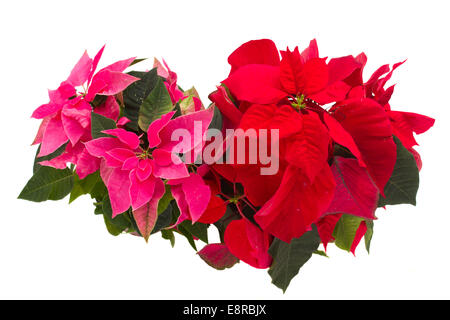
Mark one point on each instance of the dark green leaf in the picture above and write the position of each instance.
(134, 95)
(165, 219)
(98, 101)
(369, 234)
(403, 185)
(198, 230)
(168, 234)
(100, 123)
(223, 222)
(187, 235)
(342, 151)
(216, 122)
(112, 228)
(177, 110)
(118, 224)
(288, 258)
(99, 191)
(156, 104)
(48, 183)
(136, 61)
(321, 253)
(84, 186)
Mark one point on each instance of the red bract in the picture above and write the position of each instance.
(403, 124)
(247, 242)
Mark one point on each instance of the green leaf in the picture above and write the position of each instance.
(99, 191)
(156, 104)
(98, 101)
(84, 186)
(165, 200)
(321, 253)
(345, 231)
(168, 234)
(403, 185)
(48, 183)
(223, 222)
(165, 219)
(288, 258)
(187, 235)
(100, 123)
(369, 234)
(198, 230)
(112, 228)
(118, 224)
(216, 121)
(136, 61)
(134, 95)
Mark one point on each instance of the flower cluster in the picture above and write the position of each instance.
(136, 143)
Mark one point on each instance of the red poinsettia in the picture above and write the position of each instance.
(404, 124)
(266, 92)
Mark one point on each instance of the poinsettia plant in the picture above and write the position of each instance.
(295, 151)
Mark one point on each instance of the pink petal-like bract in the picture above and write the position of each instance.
(189, 122)
(80, 72)
(141, 191)
(109, 109)
(119, 191)
(147, 214)
(54, 136)
(127, 137)
(155, 127)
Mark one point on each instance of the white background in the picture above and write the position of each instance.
(52, 250)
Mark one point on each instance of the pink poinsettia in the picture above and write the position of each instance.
(189, 101)
(134, 174)
(171, 80)
(67, 117)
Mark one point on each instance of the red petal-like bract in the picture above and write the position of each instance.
(215, 210)
(256, 83)
(226, 106)
(298, 77)
(360, 232)
(248, 243)
(308, 149)
(218, 256)
(355, 192)
(297, 203)
(325, 227)
(404, 124)
(254, 52)
(370, 127)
